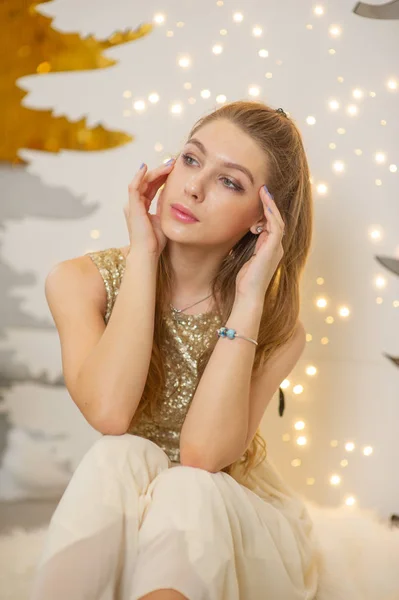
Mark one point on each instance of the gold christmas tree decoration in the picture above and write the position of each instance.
(29, 45)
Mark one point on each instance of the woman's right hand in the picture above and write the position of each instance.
(145, 231)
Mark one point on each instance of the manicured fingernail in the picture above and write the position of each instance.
(267, 192)
(142, 165)
(269, 209)
(169, 162)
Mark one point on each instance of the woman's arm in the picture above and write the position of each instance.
(216, 425)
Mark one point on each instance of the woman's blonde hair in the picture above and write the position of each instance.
(288, 180)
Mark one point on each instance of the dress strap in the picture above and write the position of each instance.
(111, 264)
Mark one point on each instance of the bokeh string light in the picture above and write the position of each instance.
(339, 168)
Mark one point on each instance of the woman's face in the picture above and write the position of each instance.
(224, 198)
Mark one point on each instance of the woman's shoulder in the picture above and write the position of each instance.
(105, 268)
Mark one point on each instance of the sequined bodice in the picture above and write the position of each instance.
(187, 336)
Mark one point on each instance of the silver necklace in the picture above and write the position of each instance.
(179, 310)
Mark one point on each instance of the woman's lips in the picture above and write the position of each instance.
(182, 216)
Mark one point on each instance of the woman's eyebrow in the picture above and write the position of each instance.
(231, 165)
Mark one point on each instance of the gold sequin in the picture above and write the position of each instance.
(187, 336)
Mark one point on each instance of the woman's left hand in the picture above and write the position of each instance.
(255, 275)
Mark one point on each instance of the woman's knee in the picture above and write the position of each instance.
(173, 481)
(116, 449)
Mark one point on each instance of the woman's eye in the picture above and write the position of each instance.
(186, 157)
(233, 186)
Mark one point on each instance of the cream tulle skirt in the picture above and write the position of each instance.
(131, 522)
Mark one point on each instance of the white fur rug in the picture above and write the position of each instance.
(361, 556)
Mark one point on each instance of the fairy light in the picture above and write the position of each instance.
(205, 94)
(301, 440)
(95, 234)
(339, 166)
(380, 282)
(367, 451)
(350, 501)
(238, 17)
(217, 49)
(254, 90)
(393, 168)
(184, 62)
(358, 93)
(335, 31)
(380, 157)
(297, 389)
(257, 31)
(127, 94)
(322, 189)
(344, 311)
(335, 480)
(392, 84)
(321, 302)
(153, 98)
(139, 105)
(334, 104)
(318, 10)
(263, 53)
(221, 98)
(159, 19)
(299, 425)
(350, 446)
(311, 370)
(375, 233)
(176, 109)
(285, 384)
(310, 120)
(352, 110)
(320, 281)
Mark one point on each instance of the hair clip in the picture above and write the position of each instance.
(282, 112)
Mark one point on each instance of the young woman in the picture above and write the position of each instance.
(173, 347)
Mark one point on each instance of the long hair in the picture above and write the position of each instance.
(289, 183)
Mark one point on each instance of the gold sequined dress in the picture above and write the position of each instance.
(133, 520)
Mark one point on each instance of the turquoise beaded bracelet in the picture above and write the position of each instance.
(231, 334)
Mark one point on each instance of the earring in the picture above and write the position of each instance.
(259, 229)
